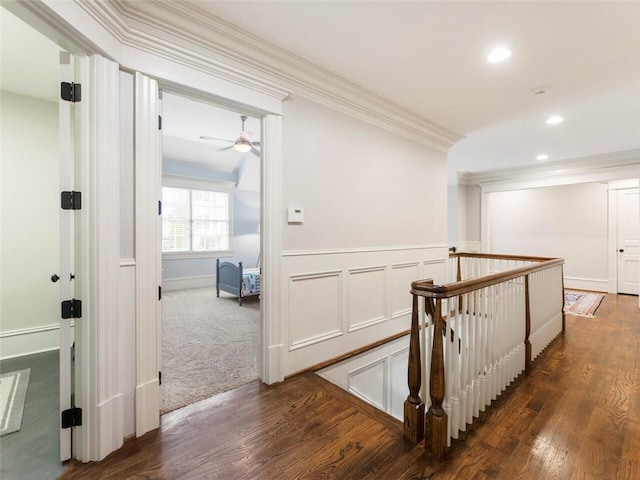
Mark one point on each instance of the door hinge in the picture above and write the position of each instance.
(159, 378)
(71, 200)
(72, 309)
(159, 293)
(159, 122)
(72, 417)
(71, 92)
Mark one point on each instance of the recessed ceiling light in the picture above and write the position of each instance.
(542, 157)
(554, 120)
(498, 55)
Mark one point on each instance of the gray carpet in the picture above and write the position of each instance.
(209, 345)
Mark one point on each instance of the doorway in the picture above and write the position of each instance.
(628, 240)
(211, 204)
(30, 322)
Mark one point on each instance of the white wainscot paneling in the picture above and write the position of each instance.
(367, 299)
(377, 376)
(398, 383)
(315, 308)
(401, 277)
(435, 269)
(369, 382)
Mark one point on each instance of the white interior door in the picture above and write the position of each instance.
(66, 275)
(628, 240)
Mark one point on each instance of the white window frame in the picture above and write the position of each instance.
(190, 183)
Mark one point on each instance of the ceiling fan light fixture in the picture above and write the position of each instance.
(242, 145)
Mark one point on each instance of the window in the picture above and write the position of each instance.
(194, 220)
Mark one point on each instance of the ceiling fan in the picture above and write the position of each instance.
(242, 144)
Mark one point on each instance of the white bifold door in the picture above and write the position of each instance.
(628, 241)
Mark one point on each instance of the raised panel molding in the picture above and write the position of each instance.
(367, 302)
(370, 382)
(315, 308)
(402, 274)
(398, 383)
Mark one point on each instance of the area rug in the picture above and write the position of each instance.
(13, 391)
(209, 345)
(584, 304)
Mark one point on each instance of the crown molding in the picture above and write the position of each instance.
(604, 167)
(184, 33)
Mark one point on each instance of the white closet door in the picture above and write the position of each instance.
(628, 241)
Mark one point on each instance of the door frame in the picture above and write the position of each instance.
(148, 232)
(612, 242)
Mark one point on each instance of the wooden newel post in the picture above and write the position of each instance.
(527, 330)
(435, 431)
(413, 406)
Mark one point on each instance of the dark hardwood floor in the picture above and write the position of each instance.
(576, 416)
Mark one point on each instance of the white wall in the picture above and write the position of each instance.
(374, 220)
(359, 185)
(29, 301)
(567, 221)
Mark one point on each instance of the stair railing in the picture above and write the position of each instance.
(472, 337)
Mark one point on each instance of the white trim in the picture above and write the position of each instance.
(198, 255)
(148, 181)
(231, 45)
(624, 184)
(605, 167)
(27, 341)
(272, 219)
(97, 363)
(179, 181)
(315, 339)
(223, 57)
(395, 248)
(594, 284)
(172, 284)
(612, 241)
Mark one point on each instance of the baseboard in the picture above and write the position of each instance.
(110, 419)
(188, 282)
(592, 284)
(27, 341)
(147, 407)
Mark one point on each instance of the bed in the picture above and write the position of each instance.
(237, 281)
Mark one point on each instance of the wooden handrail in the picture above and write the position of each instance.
(498, 256)
(426, 288)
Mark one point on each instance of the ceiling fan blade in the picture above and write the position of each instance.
(255, 144)
(255, 151)
(225, 148)
(203, 137)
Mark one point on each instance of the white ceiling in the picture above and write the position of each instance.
(431, 58)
